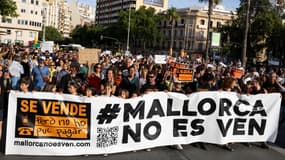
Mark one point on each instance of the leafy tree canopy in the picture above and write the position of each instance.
(8, 8)
(51, 34)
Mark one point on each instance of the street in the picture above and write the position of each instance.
(189, 152)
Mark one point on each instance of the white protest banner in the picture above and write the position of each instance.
(59, 124)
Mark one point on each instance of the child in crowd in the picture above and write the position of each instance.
(24, 84)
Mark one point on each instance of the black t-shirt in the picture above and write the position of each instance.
(271, 87)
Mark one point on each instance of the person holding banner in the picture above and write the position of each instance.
(150, 85)
(131, 83)
(74, 76)
(272, 84)
(229, 84)
(109, 79)
(24, 84)
(94, 79)
(1, 101)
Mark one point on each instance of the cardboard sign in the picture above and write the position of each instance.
(90, 56)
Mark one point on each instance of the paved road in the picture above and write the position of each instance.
(189, 152)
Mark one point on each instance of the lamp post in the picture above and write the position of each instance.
(44, 21)
(112, 38)
(129, 28)
(244, 47)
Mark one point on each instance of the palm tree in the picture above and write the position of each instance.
(172, 16)
(210, 12)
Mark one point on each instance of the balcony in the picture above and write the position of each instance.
(201, 26)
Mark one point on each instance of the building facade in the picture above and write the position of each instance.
(51, 15)
(25, 28)
(81, 14)
(64, 20)
(107, 11)
(190, 31)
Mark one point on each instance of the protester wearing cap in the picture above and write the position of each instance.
(40, 75)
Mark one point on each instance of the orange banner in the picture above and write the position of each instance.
(184, 75)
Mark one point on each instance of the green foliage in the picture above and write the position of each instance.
(143, 26)
(51, 34)
(264, 28)
(87, 35)
(8, 8)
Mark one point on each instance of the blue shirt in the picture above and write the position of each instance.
(38, 73)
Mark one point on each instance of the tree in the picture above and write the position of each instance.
(87, 35)
(51, 34)
(143, 26)
(172, 16)
(265, 30)
(210, 12)
(8, 8)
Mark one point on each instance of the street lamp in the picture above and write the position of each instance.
(244, 48)
(44, 21)
(112, 38)
(129, 28)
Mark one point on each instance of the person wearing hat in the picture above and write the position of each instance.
(40, 75)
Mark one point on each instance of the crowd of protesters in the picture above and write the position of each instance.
(26, 69)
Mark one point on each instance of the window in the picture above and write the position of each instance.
(19, 33)
(202, 22)
(37, 2)
(19, 21)
(26, 22)
(32, 1)
(219, 24)
(36, 13)
(190, 33)
(182, 21)
(9, 20)
(31, 34)
(201, 34)
(32, 11)
(181, 33)
(4, 20)
(23, 1)
(23, 11)
(180, 44)
(191, 21)
(211, 24)
(8, 31)
(200, 46)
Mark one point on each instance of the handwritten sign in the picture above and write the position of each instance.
(184, 75)
(90, 55)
